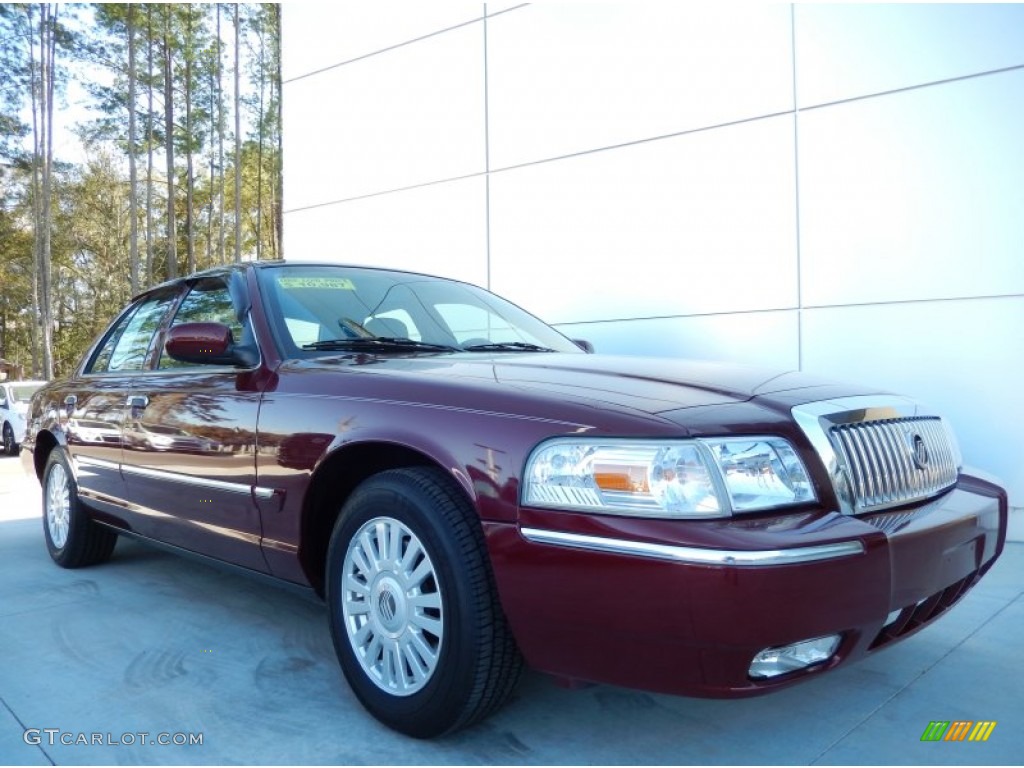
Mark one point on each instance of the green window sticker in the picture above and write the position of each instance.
(338, 283)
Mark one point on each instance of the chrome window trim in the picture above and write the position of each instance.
(817, 419)
(695, 555)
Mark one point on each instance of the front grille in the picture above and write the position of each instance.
(880, 451)
(894, 461)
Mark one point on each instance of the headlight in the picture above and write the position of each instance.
(703, 478)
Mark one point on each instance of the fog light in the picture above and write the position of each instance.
(772, 662)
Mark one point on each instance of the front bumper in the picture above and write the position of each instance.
(690, 621)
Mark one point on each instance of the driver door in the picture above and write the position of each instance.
(190, 442)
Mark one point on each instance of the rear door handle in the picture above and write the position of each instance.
(138, 401)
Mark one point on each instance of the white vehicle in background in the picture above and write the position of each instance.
(14, 397)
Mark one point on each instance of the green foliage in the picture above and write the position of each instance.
(16, 260)
(90, 210)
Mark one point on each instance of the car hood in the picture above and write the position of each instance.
(648, 385)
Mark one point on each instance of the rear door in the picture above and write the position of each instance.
(190, 438)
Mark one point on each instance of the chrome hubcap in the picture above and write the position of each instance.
(392, 606)
(58, 505)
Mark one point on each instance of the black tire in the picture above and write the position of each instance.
(73, 539)
(449, 624)
(10, 447)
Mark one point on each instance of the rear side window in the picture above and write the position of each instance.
(128, 342)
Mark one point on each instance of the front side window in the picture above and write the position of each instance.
(208, 301)
(127, 343)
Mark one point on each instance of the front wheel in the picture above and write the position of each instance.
(72, 538)
(413, 609)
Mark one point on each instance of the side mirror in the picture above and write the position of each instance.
(208, 344)
(585, 345)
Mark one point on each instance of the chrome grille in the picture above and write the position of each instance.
(880, 451)
(895, 461)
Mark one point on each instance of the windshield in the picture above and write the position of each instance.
(318, 308)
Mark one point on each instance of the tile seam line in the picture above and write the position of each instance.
(902, 302)
(542, 161)
(922, 673)
(487, 156)
(794, 308)
(796, 194)
(915, 87)
(24, 728)
(402, 44)
(674, 317)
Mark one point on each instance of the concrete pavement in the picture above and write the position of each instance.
(155, 644)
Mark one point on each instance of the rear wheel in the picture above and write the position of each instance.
(10, 446)
(413, 609)
(73, 539)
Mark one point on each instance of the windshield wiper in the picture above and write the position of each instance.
(507, 346)
(378, 344)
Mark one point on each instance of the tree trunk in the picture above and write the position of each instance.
(213, 171)
(238, 142)
(190, 229)
(149, 147)
(259, 144)
(275, 99)
(44, 163)
(221, 231)
(37, 202)
(133, 172)
(172, 225)
(45, 274)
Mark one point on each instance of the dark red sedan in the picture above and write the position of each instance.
(469, 489)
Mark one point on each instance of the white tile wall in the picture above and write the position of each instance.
(915, 195)
(564, 78)
(494, 9)
(439, 229)
(848, 50)
(412, 115)
(698, 223)
(755, 338)
(339, 32)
